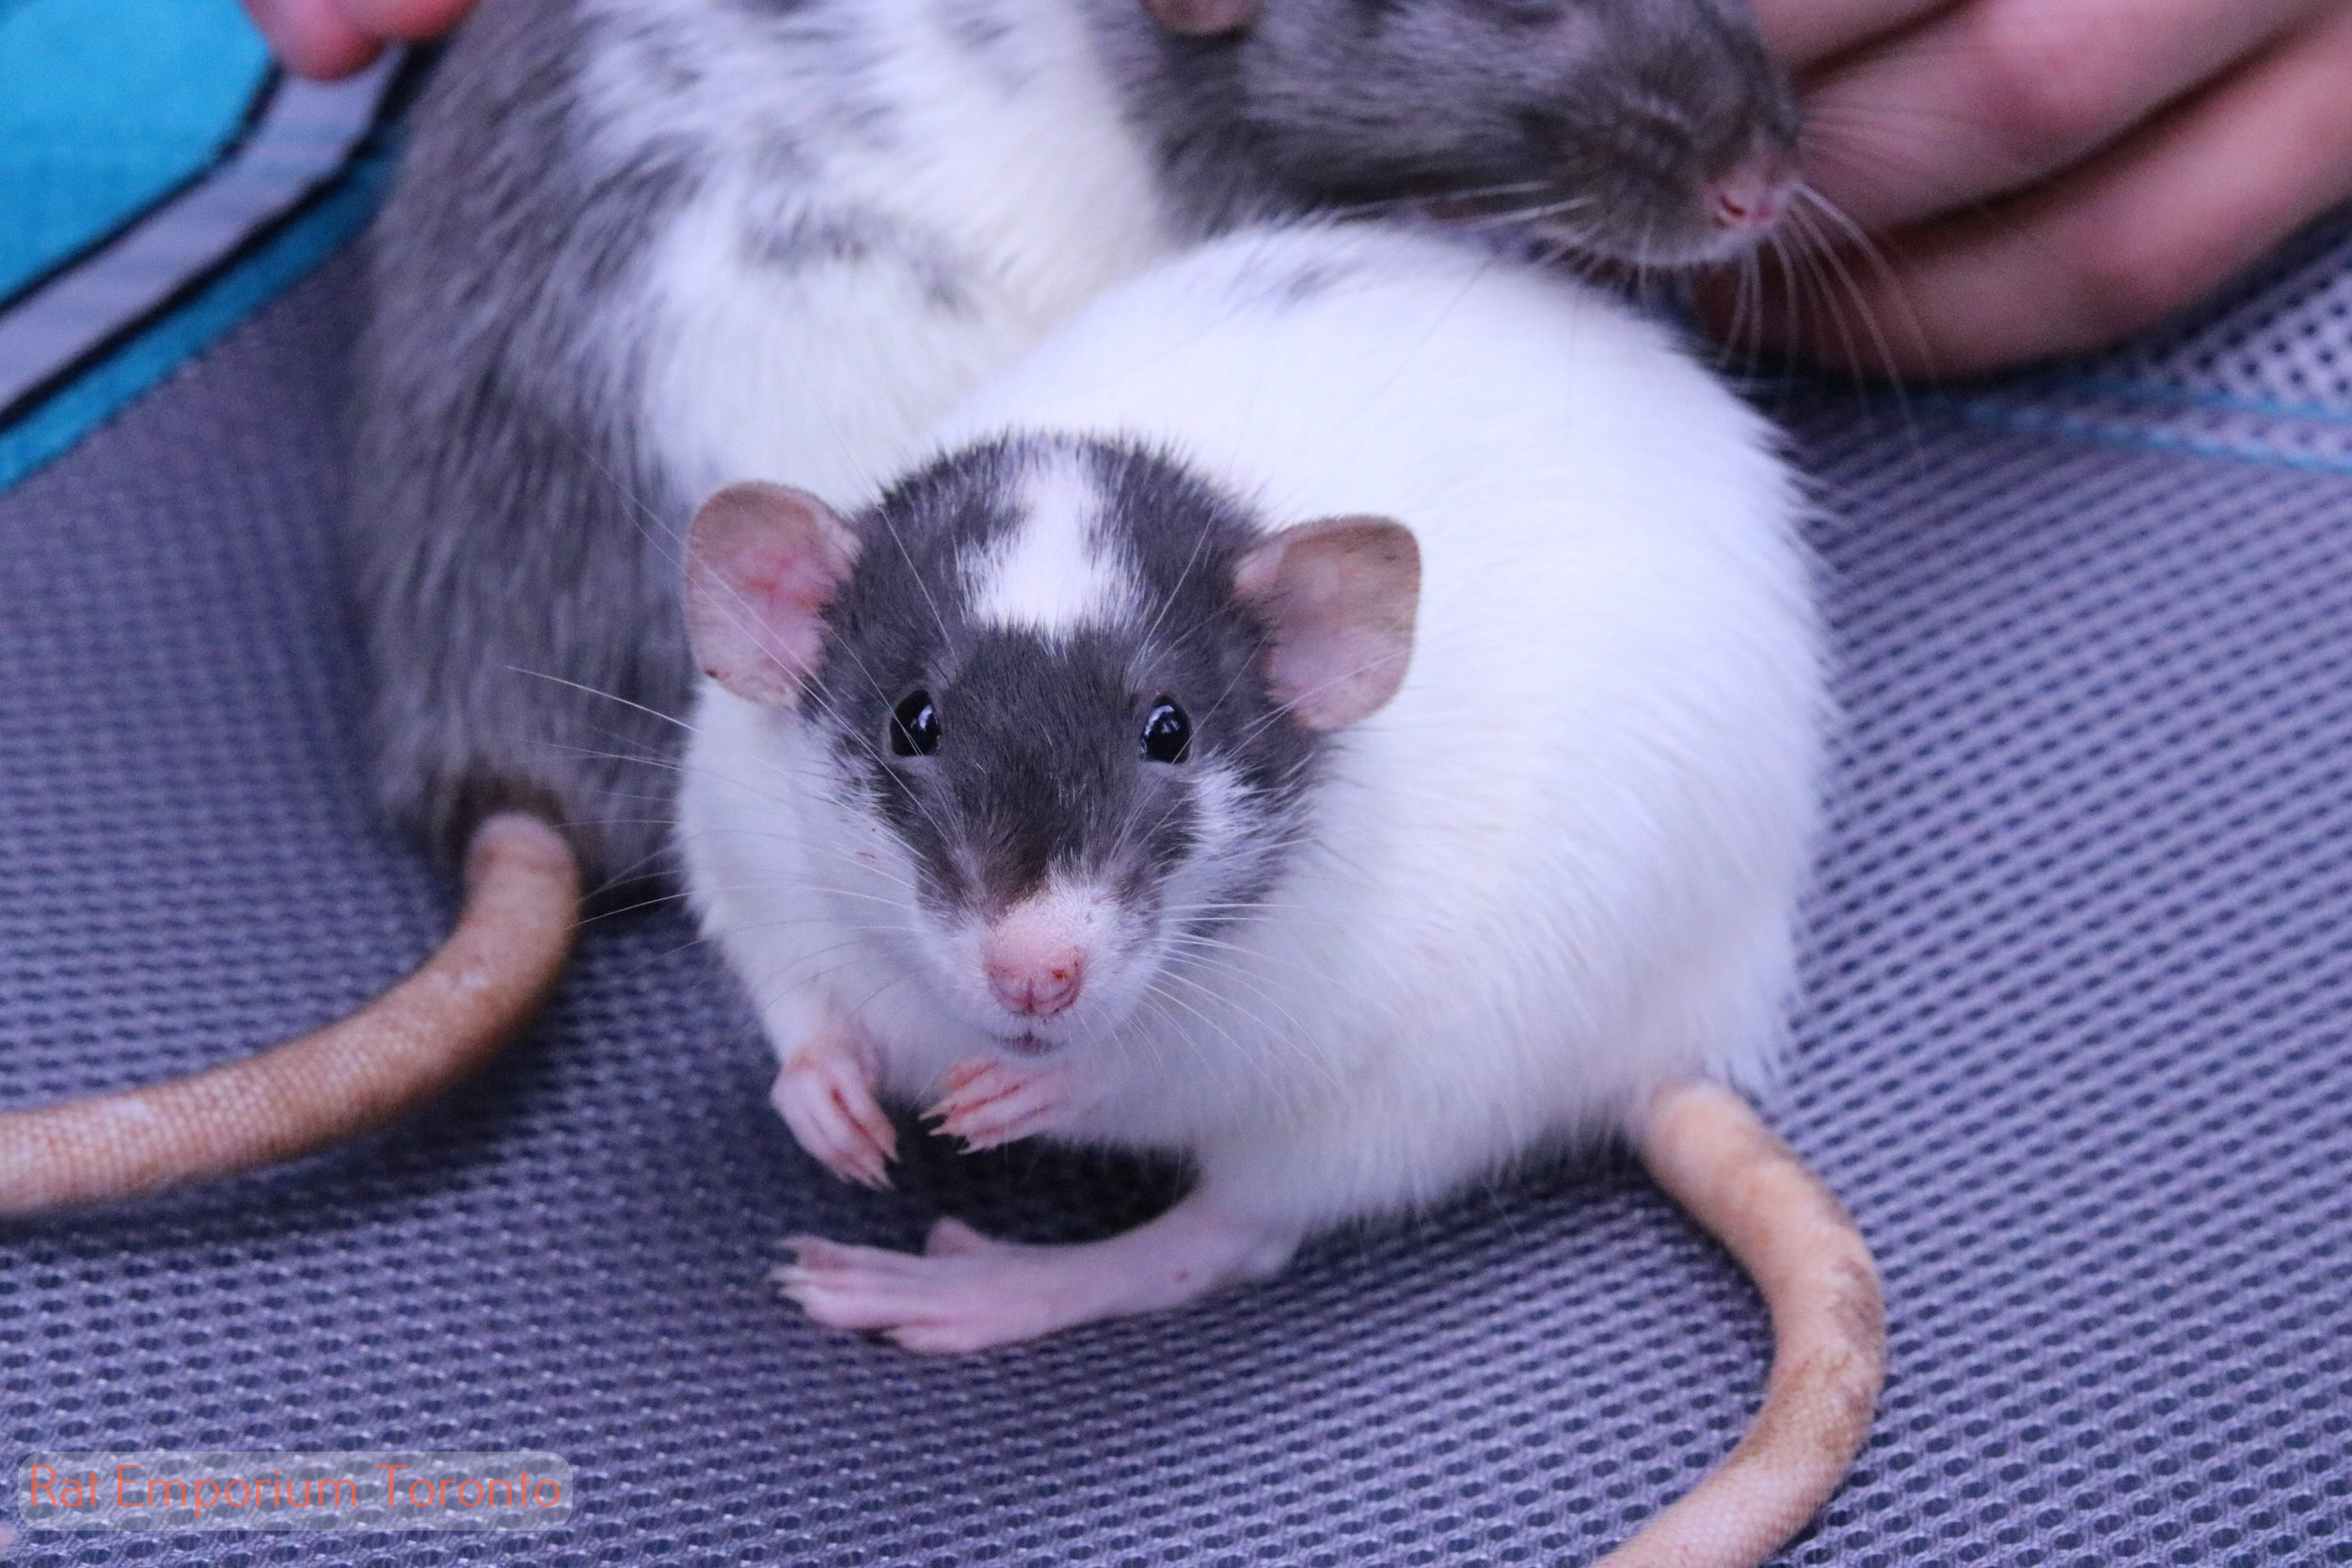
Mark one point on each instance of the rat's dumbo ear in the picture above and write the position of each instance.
(1205, 18)
(1338, 599)
(762, 562)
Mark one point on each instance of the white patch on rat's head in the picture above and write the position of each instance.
(1057, 568)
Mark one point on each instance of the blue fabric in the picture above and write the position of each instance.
(107, 108)
(146, 359)
(113, 117)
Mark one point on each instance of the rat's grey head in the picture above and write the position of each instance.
(1657, 132)
(1076, 688)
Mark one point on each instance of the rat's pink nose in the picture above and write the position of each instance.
(1036, 983)
(1751, 198)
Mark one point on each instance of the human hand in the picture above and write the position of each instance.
(334, 38)
(2036, 177)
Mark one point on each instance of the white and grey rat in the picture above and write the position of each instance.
(643, 247)
(640, 247)
(1345, 711)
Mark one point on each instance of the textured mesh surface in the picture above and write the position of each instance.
(2265, 374)
(2073, 1041)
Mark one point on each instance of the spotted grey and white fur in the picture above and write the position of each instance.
(640, 248)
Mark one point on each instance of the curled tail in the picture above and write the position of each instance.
(522, 907)
(1708, 1148)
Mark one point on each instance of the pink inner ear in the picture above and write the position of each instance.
(787, 593)
(762, 563)
(1338, 598)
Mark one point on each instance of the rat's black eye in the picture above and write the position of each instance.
(1167, 733)
(914, 726)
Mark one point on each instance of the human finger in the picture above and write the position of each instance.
(1804, 33)
(2161, 219)
(1994, 96)
(314, 37)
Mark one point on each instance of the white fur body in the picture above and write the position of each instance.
(1557, 870)
(886, 212)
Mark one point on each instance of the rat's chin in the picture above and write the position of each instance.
(1027, 1045)
(1032, 1039)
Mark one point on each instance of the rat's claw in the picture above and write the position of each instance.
(991, 1103)
(826, 1096)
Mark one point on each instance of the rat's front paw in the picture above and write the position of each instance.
(826, 1095)
(990, 1103)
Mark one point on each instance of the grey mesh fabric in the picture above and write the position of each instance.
(2072, 1041)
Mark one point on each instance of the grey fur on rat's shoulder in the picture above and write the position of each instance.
(509, 541)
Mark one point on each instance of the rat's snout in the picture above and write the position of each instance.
(1038, 985)
(1036, 959)
(1746, 203)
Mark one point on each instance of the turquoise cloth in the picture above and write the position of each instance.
(107, 108)
(112, 114)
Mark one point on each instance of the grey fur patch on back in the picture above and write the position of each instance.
(515, 553)
(843, 100)
(798, 237)
(979, 28)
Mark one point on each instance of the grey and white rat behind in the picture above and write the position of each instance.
(1346, 712)
(642, 248)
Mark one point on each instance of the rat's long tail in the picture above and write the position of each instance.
(522, 907)
(1708, 1149)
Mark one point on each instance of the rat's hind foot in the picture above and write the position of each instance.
(990, 1103)
(825, 1093)
(967, 1292)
